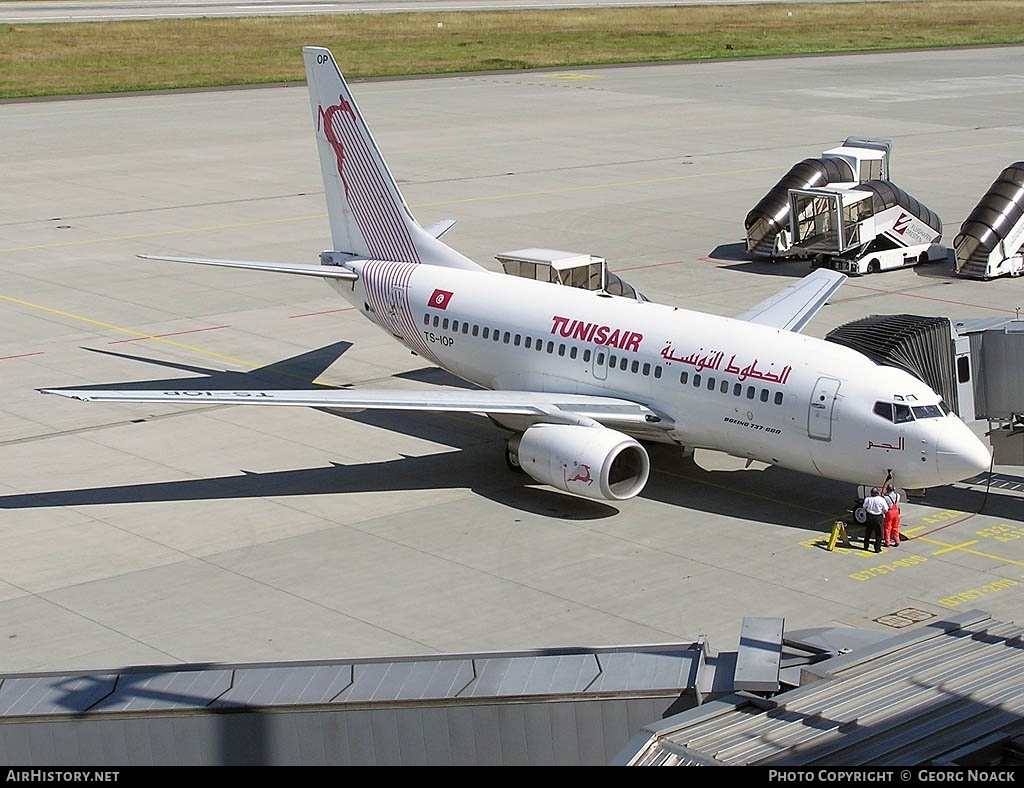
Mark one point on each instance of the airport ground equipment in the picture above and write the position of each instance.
(991, 240)
(855, 161)
(873, 227)
(571, 269)
(997, 357)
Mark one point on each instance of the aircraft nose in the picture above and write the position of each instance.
(960, 454)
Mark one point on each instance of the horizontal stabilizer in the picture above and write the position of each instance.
(325, 271)
(437, 229)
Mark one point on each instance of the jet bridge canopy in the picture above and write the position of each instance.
(921, 345)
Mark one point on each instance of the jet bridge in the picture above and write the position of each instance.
(976, 366)
(570, 269)
(927, 347)
(997, 355)
(857, 160)
(991, 240)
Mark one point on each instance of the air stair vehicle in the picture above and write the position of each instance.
(991, 240)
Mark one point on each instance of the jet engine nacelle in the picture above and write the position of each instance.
(593, 462)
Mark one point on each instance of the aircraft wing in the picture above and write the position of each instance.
(791, 309)
(545, 407)
(325, 271)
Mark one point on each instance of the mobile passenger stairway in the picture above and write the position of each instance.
(991, 240)
(857, 160)
(875, 226)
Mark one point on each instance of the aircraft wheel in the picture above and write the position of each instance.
(512, 460)
(860, 515)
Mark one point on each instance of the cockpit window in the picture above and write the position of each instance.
(902, 413)
(899, 413)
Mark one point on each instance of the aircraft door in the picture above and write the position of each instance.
(600, 363)
(821, 409)
(398, 309)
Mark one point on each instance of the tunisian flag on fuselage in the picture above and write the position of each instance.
(439, 299)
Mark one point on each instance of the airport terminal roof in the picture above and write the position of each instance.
(948, 693)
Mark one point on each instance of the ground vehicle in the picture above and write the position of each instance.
(991, 240)
(872, 227)
(857, 160)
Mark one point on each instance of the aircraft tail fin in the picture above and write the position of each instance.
(368, 214)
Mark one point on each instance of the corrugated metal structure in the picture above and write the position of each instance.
(552, 707)
(948, 693)
(923, 346)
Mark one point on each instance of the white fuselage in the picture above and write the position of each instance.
(749, 390)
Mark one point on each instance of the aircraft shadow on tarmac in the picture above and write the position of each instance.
(769, 495)
(297, 372)
(762, 494)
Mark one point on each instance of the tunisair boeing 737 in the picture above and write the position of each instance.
(582, 378)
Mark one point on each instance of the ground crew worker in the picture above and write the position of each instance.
(891, 527)
(876, 506)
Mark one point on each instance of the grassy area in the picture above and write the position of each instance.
(103, 57)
